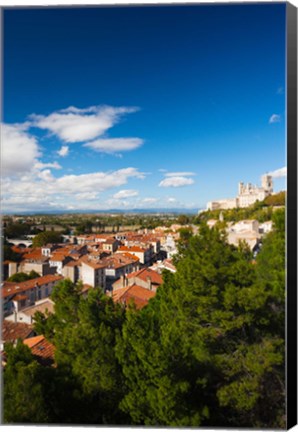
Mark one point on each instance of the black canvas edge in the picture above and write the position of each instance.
(291, 270)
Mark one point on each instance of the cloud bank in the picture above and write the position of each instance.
(74, 125)
(127, 193)
(177, 179)
(19, 150)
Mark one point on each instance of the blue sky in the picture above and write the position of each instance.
(141, 107)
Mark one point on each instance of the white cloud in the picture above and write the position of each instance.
(76, 125)
(171, 200)
(19, 149)
(127, 193)
(46, 175)
(179, 174)
(99, 181)
(41, 165)
(281, 172)
(71, 189)
(64, 151)
(90, 196)
(113, 145)
(275, 118)
(149, 200)
(176, 182)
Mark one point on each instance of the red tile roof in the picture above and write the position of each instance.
(133, 294)
(20, 250)
(20, 297)
(73, 263)
(57, 257)
(11, 288)
(92, 263)
(131, 249)
(12, 331)
(119, 260)
(42, 349)
(146, 273)
(133, 257)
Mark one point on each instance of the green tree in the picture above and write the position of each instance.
(205, 351)
(278, 199)
(183, 219)
(17, 230)
(22, 277)
(46, 237)
(83, 331)
(9, 254)
(36, 394)
(23, 394)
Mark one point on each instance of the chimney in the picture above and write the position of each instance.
(149, 283)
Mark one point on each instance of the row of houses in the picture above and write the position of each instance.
(16, 296)
(118, 264)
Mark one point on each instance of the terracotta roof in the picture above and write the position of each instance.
(20, 297)
(57, 257)
(144, 273)
(131, 249)
(94, 264)
(20, 250)
(42, 349)
(11, 288)
(150, 238)
(12, 331)
(110, 241)
(73, 263)
(133, 257)
(138, 295)
(119, 260)
(35, 255)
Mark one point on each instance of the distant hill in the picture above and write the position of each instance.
(110, 211)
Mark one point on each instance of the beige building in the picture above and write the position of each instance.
(247, 195)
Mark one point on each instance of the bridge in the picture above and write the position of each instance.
(20, 242)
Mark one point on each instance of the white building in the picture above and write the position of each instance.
(245, 225)
(93, 273)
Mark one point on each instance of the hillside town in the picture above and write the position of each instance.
(64, 276)
(128, 266)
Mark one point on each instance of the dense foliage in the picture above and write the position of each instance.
(17, 230)
(22, 277)
(46, 237)
(260, 210)
(208, 350)
(278, 199)
(9, 254)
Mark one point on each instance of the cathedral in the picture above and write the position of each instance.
(248, 194)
